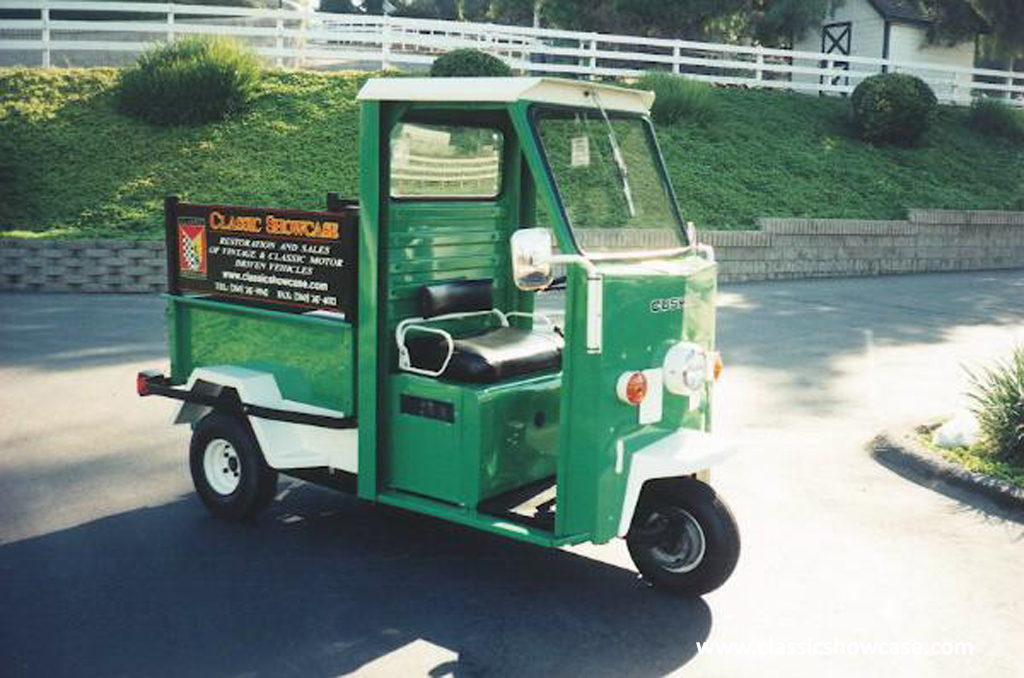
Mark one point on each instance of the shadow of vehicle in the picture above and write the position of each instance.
(324, 585)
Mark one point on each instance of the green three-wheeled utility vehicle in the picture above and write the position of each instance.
(395, 346)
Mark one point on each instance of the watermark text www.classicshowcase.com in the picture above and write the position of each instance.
(836, 648)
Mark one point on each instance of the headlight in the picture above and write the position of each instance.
(687, 368)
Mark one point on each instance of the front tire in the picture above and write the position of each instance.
(228, 470)
(683, 537)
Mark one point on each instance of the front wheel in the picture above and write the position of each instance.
(228, 470)
(683, 537)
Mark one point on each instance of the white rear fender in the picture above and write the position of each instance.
(685, 452)
(284, 444)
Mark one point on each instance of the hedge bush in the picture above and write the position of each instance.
(995, 118)
(893, 108)
(678, 98)
(998, 395)
(469, 63)
(189, 81)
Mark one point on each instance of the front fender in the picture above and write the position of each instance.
(682, 453)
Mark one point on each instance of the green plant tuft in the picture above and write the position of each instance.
(469, 63)
(677, 98)
(998, 395)
(189, 81)
(993, 117)
(893, 108)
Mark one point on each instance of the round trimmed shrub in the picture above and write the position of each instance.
(469, 63)
(893, 108)
(677, 98)
(189, 81)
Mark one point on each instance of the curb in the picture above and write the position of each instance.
(907, 456)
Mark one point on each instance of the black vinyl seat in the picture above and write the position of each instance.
(493, 356)
(482, 358)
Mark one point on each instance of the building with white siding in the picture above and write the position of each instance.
(886, 29)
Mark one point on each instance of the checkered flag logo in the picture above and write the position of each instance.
(191, 256)
(192, 247)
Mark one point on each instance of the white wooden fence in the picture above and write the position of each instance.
(75, 33)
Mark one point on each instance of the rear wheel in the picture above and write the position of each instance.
(683, 537)
(228, 470)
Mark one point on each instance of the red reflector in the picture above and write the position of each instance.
(142, 384)
(636, 388)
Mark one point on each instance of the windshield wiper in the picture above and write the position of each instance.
(620, 163)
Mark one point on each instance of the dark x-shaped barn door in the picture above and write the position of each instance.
(835, 39)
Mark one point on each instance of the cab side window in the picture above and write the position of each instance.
(445, 161)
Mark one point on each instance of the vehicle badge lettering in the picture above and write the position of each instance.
(667, 304)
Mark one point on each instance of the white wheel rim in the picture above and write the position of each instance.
(685, 550)
(222, 467)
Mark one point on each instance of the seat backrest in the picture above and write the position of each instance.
(457, 296)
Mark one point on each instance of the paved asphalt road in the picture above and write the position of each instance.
(110, 567)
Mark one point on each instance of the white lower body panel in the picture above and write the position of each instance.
(284, 444)
(685, 452)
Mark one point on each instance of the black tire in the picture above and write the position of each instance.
(683, 537)
(254, 483)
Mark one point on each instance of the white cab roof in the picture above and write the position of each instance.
(507, 90)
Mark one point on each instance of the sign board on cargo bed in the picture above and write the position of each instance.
(290, 260)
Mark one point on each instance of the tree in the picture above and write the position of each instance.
(514, 12)
(454, 10)
(474, 10)
(693, 19)
(767, 21)
(427, 9)
(773, 22)
(338, 7)
(782, 22)
(1001, 23)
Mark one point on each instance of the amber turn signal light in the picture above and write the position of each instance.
(632, 387)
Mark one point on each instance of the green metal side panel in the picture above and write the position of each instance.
(370, 150)
(426, 455)
(476, 441)
(311, 358)
(579, 463)
(518, 438)
(478, 521)
(436, 241)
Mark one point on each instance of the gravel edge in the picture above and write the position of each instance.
(904, 452)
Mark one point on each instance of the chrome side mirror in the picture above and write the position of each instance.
(531, 258)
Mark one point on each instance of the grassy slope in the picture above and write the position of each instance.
(781, 154)
(77, 164)
(69, 163)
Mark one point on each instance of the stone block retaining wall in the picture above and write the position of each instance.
(927, 241)
(784, 249)
(82, 265)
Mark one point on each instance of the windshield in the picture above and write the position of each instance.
(607, 173)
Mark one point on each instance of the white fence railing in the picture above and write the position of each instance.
(68, 33)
